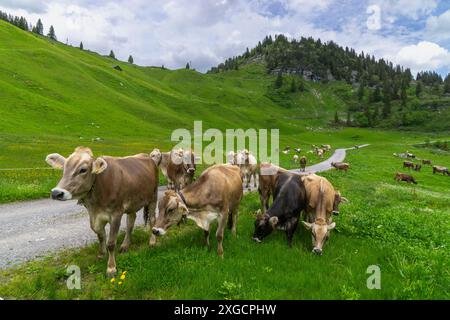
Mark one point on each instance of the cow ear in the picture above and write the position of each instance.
(307, 225)
(99, 166)
(55, 160)
(331, 226)
(273, 221)
(344, 200)
(183, 208)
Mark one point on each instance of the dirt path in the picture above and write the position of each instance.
(32, 229)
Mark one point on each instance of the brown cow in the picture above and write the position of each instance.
(215, 195)
(178, 166)
(303, 162)
(408, 164)
(440, 169)
(248, 165)
(321, 196)
(108, 187)
(424, 161)
(268, 174)
(404, 177)
(340, 165)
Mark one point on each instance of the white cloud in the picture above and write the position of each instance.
(423, 56)
(413, 9)
(438, 27)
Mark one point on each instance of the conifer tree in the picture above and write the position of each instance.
(81, 45)
(51, 33)
(112, 55)
(130, 59)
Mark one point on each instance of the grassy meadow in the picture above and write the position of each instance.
(55, 97)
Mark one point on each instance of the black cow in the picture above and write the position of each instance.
(289, 201)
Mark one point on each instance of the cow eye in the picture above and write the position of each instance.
(82, 170)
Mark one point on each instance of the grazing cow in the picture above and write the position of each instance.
(298, 150)
(409, 155)
(404, 177)
(248, 165)
(417, 167)
(295, 158)
(408, 164)
(289, 201)
(440, 169)
(178, 166)
(108, 187)
(425, 161)
(268, 174)
(326, 147)
(321, 204)
(215, 195)
(303, 162)
(340, 165)
(287, 150)
(320, 152)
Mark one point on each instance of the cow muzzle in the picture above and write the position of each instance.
(158, 231)
(317, 251)
(190, 170)
(61, 194)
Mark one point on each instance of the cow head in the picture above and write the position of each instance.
(80, 169)
(171, 210)
(264, 225)
(320, 233)
(186, 158)
(156, 156)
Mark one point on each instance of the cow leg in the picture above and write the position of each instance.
(249, 177)
(254, 179)
(152, 218)
(234, 217)
(291, 230)
(206, 233)
(220, 230)
(98, 226)
(112, 239)
(131, 218)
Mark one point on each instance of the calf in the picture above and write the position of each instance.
(340, 165)
(215, 195)
(404, 177)
(408, 164)
(303, 162)
(108, 187)
(321, 204)
(289, 201)
(440, 169)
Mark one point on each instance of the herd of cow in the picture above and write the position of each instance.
(416, 166)
(110, 186)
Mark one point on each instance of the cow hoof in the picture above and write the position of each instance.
(111, 272)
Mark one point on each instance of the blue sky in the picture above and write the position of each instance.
(413, 33)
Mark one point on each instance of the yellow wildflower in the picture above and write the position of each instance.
(120, 283)
(122, 277)
(113, 280)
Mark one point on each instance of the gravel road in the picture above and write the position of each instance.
(32, 229)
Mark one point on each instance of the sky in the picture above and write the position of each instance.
(412, 33)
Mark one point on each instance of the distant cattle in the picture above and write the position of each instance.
(319, 153)
(284, 213)
(295, 158)
(298, 150)
(404, 177)
(341, 166)
(326, 147)
(178, 166)
(417, 167)
(287, 150)
(108, 187)
(410, 155)
(424, 161)
(408, 164)
(440, 169)
(215, 195)
(303, 162)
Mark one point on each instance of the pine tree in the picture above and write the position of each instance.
(188, 66)
(376, 96)
(418, 89)
(293, 86)
(39, 27)
(51, 33)
(447, 84)
(130, 59)
(361, 91)
(81, 45)
(279, 81)
(112, 55)
(404, 94)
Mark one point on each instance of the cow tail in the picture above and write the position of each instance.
(146, 215)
